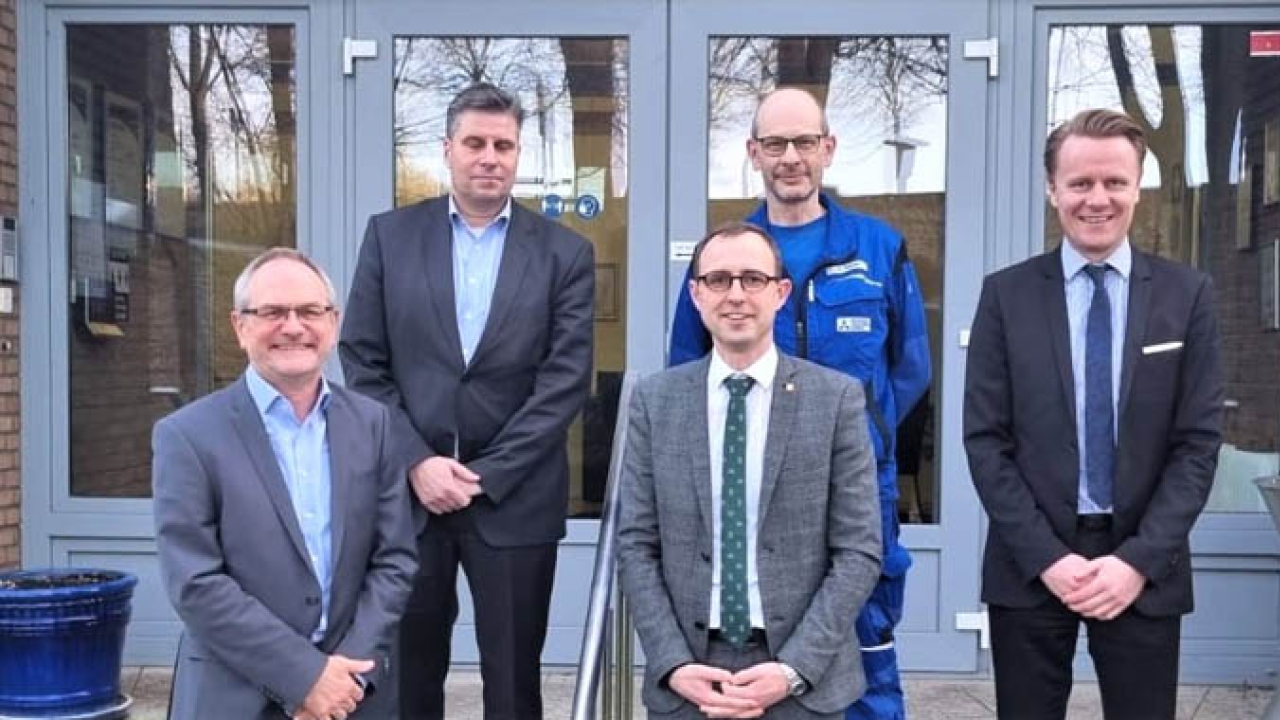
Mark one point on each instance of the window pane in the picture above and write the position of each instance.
(573, 168)
(1210, 197)
(886, 104)
(182, 159)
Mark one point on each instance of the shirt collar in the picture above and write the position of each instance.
(762, 371)
(504, 215)
(265, 396)
(1121, 260)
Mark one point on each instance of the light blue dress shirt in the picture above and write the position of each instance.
(476, 257)
(1079, 290)
(302, 451)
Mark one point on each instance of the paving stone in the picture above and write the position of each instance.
(928, 698)
(1234, 701)
(944, 700)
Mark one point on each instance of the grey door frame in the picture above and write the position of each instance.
(944, 580)
(644, 23)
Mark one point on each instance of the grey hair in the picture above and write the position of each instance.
(482, 97)
(240, 291)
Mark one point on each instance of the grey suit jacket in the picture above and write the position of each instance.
(506, 414)
(234, 562)
(818, 539)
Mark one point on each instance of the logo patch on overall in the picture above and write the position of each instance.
(851, 266)
(853, 324)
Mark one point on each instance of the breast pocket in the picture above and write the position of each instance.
(848, 323)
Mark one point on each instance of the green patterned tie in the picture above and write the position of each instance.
(735, 616)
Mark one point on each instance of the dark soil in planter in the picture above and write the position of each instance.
(46, 582)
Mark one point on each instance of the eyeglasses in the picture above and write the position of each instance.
(309, 313)
(776, 145)
(721, 281)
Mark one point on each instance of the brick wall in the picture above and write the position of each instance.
(10, 494)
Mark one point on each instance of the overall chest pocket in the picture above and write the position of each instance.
(848, 322)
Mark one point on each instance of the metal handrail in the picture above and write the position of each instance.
(605, 611)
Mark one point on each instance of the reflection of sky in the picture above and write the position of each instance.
(1081, 77)
(863, 164)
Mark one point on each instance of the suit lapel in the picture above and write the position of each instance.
(694, 397)
(340, 432)
(253, 434)
(437, 247)
(782, 417)
(1135, 325)
(1054, 294)
(521, 238)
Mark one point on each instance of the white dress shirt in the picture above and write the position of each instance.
(760, 396)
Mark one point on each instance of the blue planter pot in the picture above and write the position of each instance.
(61, 642)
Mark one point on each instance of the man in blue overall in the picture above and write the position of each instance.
(857, 308)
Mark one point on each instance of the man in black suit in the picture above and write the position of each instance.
(1092, 416)
(471, 318)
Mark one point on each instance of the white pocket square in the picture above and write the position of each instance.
(1162, 347)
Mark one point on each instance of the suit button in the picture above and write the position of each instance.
(313, 601)
(768, 548)
(706, 557)
(699, 625)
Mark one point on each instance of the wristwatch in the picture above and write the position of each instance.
(796, 685)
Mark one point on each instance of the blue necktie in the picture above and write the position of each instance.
(735, 615)
(1099, 413)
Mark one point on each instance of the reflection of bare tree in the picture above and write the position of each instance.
(893, 78)
(568, 87)
(236, 132)
(429, 69)
(806, 62)
(1164, 123)
(741, 71)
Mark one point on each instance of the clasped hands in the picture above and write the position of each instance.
(335, 693)
(722, 694)
(1101, 588)
(443, 485)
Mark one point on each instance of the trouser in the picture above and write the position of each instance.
(511, 593)
(883, 699)
(1135, 655)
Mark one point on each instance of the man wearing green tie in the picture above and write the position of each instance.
(750, 532)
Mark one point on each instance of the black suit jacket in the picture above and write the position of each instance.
(1019, 427)
(506, 414)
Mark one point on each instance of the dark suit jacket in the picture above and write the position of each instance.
(818, 540)
(235, 565)
(509, 410)
(1020, 432)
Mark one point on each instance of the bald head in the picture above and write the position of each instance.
(788, 106)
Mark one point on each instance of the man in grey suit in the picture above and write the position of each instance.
(282, 521)
(471, 318)
(749, 535)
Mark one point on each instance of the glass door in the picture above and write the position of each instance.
(171, 142)
(578, 70)
(908, 113)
